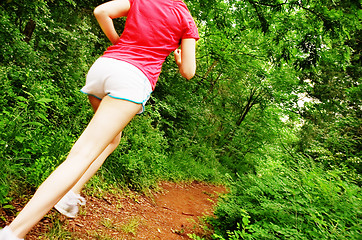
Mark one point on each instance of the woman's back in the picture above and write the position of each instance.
(153, 30)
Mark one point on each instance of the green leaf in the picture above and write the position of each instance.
(20, 139)
(44, 100)
(37, 124)
(8, 206)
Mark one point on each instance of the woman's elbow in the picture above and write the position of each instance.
(188, 76)
(188, 73)
(99, 11)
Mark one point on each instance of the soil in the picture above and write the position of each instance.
(171, 213)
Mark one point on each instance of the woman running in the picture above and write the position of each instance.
(118, 86)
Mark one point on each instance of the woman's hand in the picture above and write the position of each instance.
(177, 55)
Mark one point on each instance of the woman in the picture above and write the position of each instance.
(118, 86)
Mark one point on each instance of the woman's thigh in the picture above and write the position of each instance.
(95, 102)
(111, 117)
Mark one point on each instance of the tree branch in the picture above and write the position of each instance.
(210, 68)
(312, 11)
(263, 21)
(29, 29)
(272, 5)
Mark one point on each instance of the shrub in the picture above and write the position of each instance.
(291, 201)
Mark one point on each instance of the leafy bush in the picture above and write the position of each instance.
(291, 201)
(140, 159)
(40, 101)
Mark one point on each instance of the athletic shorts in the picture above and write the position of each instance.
(117, 79)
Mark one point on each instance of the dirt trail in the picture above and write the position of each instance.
(170, 214)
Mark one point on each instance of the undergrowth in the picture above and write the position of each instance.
(287, 200)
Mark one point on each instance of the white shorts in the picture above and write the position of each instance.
(117, 79)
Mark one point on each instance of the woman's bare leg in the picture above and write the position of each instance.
(109, 120)
(101, 158)
(96, 165)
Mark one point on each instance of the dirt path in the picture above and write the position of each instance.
(170, 214)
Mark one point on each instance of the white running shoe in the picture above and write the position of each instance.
(69, 204)
(7, 234)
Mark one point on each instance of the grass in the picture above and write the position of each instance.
(99, 234)
(131, 226)
(56, 231)
(108, 223)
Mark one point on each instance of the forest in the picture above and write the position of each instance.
(273, 113)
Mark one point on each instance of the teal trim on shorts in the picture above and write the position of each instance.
(125, 99)
(142, 103)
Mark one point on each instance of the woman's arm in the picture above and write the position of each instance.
(104, 14)
(185, 58)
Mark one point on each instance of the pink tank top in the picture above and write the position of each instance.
(154, 28)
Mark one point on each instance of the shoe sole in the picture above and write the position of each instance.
(65, 213)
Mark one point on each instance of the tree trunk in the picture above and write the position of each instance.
(29, 29)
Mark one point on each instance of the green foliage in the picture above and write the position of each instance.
(334, 144)
(235, 234)
(294, 168)
(290, 201)
(39, 100)
(194, 236)
(140, 160)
